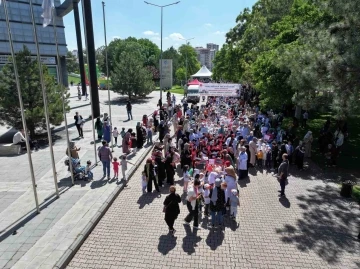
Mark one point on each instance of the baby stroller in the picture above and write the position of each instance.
(78, 170)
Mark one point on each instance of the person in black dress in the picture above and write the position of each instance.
(160, 163)
(171, 208)
(149, 170)
(170, 170)
(139, 137)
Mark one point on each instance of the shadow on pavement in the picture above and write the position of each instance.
(326, 226)
(166, 243)
(190, 240)
(123, 99)
(243, 182)
(285, 202)
(215, 238)
(147, 198)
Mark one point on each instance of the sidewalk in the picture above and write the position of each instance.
(43, 239)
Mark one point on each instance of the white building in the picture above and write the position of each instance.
(206, 55)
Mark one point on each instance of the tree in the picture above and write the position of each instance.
(181, 74)
(130, 77)
(31, 93)
(189, 53)
(72, 65)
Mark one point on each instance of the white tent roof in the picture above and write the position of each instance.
(203, 73)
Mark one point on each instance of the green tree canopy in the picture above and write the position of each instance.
(296, 51)
(31, 94)
(130, 76)
(188, 53)
(72, 64)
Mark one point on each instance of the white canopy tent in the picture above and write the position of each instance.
(203, 73)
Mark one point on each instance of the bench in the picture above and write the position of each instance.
(9, 149)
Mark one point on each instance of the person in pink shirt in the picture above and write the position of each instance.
(115, 164)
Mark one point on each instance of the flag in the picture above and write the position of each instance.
(47, 7)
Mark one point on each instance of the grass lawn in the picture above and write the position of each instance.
(76, 80)
(356, 193)
(349, 157)
(175, 89)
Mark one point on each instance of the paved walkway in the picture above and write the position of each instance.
(42, 240)
(313, 228)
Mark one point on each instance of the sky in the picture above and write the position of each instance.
(207, 21)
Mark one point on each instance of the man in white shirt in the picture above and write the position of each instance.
(19, 138)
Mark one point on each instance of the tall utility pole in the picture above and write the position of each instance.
(161, 49)
(107, 75)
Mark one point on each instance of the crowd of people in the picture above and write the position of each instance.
(214, 145)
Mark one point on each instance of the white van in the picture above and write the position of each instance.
(193, 95)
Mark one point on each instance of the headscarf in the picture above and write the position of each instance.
(214, 195)
(308, 135)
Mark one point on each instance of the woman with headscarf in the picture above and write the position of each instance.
(107, 131)
(139, 136)
(171, 208)
(186, 156)
(99, 128)
(170, 169)
(150, 174)
(230, 180)
(126, 142)
(217, 203)
(161, 172)
(161, 129)
(308, 139)
(73, 150)
(253, 150)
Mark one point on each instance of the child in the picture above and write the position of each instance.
(143, 182)
(123, 163)
(79, 93)
(234, 203)
(260, 156)
(122, 133)
(116, 167)
(88, 172)
(186, 177)
(148, 135)
(115, 135)
(207, 199)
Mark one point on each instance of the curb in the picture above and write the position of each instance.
(71, 251)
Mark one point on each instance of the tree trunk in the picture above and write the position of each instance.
(298, 112)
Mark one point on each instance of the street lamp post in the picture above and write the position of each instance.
(107, 75)
(186, 57)
(161, 38)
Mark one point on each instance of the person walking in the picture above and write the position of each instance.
(283, 173)
(308, 139)
(107, 131)
(192, 204)
(253, 150)
(99, 128)
(171, 208)
(242, 163)
(139, 136)
(79, 123)
(126, 142)
(105, 157)
(149, 170)
(217, 203)
(129, 109)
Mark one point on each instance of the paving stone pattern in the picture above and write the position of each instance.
(313, 228)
